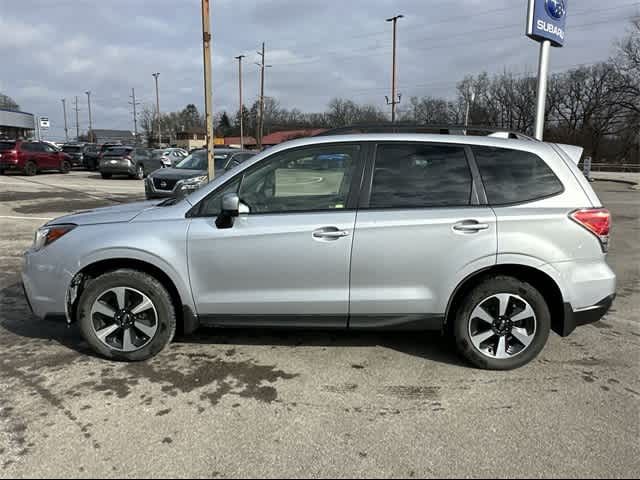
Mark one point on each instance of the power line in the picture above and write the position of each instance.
(438, 45)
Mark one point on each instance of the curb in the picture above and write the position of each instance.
(615, 180)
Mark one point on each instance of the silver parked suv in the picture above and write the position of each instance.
(493, 240)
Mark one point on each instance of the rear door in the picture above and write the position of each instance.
(421, 229)
(50, 158)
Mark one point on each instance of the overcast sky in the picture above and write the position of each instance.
(319, 49)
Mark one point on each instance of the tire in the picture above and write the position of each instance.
(30, 169)
(65, 167)
(533, 329)
(138, 285)
(105, 175)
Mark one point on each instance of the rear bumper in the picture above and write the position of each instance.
(118, 169)
(584, 316)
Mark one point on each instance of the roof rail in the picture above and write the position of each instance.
(400, 127)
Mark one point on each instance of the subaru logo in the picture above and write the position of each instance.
(163, 184)
(556, 8)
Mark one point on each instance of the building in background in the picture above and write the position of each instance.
(126, 137)
(273, 138)
(15, 124)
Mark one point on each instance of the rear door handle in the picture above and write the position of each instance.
(329, 233)
(470, 226)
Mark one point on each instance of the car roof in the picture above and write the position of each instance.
(489, 141)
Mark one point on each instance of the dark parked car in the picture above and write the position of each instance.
(124, 160)
(77, 152)
(32, 157)
(191, 173)
(92, 157)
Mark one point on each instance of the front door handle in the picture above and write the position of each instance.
(470, 226)
(329, 233)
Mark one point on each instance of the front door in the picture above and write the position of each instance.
(285, 261)
(421, 229)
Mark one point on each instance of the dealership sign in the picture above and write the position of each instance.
(546, 20)
(44, 123)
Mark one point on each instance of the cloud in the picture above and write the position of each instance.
(319, 50)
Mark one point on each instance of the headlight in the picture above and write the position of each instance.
(194, 183)
(46, 235)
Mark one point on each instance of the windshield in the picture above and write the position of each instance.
(198, 161)
(7, 145)
(117, 151)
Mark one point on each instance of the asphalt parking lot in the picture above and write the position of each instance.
(252, 403)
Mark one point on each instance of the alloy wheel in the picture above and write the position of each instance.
(502, 326)
(124, 319)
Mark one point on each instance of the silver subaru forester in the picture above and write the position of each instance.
(494, 241)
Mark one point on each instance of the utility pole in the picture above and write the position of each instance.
(64, 112)
(77, 120)
(135, 116)
(261, 122)
(239, 58)
(208, 113)
(156, 75)
(393, 102)
(90, 135)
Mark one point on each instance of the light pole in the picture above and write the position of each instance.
(90, 133)
(470, 100)
(239, 58)
(156, 75)
(393, 101)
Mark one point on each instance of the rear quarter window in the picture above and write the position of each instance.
(515, 176)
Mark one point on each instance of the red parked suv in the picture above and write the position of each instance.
(32, 157)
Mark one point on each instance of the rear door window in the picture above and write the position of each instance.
(418, 175)
(515, 176)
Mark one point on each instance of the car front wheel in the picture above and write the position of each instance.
(502, 324)
(126, 315)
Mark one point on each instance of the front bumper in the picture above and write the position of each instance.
(45, 284)
(121, 167)
(10, 166)
(584, 316)
(180, 189)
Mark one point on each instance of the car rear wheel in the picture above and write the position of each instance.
(105, 175)
(127, 315)
(30, 169)
(502, 324)
(65, 166)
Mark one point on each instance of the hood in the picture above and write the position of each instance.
(114, 214)
(176, 173)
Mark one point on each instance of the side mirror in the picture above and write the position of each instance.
(231, 204)
(230, 210)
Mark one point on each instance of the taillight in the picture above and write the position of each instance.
(597, 221)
